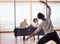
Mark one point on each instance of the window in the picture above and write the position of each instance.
(22, 12)
(6, 16)
(25, 9)
(55, 15)
(36, 8)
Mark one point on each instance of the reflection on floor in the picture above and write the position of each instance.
(9, 38)
(31, 40)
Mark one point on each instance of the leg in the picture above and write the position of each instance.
(51, 36)
(38, 37)
(44, 39)
(56, 38)
(34, 38)
(23, 37)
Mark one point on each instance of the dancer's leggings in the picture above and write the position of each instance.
(51, 36)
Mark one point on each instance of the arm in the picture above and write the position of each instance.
(36, 31)
(45, 4)
(20, 24)
(48, 10)
(30, 36)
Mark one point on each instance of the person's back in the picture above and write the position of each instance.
(23, 24)
(47, 26)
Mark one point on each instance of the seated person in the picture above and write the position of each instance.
(35, 22)
(23, 24)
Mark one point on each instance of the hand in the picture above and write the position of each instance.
(25, 39)
(45, 3)
(42, 1)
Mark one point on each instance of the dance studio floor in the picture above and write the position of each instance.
(32, 41)
(9, 38)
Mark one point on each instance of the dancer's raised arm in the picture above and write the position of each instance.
(48, 10)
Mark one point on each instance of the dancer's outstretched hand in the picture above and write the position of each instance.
(25, 39)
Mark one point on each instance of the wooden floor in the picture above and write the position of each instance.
(9, 38)
(50, 42)
(32, 41)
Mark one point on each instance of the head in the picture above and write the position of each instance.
(24, 20)
(40, 16)
(31, 26)
(35, 20)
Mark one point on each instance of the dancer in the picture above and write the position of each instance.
(46, 25)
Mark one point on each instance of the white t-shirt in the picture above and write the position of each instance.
(36, 24)
(46, 25)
